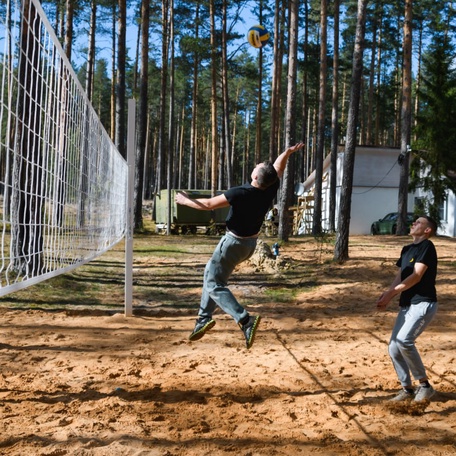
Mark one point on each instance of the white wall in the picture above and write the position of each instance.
(375, 186)
(449, 227)
(375, 190)
(372, 206)
(376, 168)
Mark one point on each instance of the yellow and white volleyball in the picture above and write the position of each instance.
(258, 36)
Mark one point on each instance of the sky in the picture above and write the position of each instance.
(79, 55)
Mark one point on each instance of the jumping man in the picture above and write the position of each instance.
(249, 205)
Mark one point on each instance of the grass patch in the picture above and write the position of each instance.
(168, 273)
(283, 295)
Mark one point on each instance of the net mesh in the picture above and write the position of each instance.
(62, 181)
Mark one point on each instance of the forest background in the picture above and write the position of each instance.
(210, 107)
(78, 379)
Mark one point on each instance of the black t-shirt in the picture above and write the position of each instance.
(423, 252)
(249, 206)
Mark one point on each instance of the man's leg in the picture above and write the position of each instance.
(417, 318)
(204, 322)
(207, 304)
(230, 252)
(399, 362)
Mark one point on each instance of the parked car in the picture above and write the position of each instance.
(388, 224)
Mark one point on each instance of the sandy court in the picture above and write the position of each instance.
(88, 381)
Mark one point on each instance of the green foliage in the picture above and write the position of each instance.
(435, 147)
(102, 92)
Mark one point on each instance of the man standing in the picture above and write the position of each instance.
(415, 282)
(249, 205)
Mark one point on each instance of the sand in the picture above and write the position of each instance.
(87, 381)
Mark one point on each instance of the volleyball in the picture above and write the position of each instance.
(258, 36)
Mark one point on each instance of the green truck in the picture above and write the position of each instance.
(185, 219)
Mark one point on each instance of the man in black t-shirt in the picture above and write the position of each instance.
(415, 281)
(249, 205)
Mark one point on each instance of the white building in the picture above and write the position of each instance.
(375, 192)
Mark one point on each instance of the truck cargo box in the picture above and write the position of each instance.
(183, 216)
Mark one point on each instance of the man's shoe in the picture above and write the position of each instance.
(249, 329)
(403, 395)
(424, 394)
(202, 326)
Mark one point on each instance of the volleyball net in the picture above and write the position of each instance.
(63, 183)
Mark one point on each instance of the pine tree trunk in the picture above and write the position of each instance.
(319, 156)
(378, 88)
(113, 71)
(91, 50)
(334, 123)
(276, 83)
(163, 94)
(193, 129)
(305, 160)
(171, 129)
(259, 108)
(121, 85)
(69, 28)
(27, 204)
(286, 194)
(342, 238)
(214, 136)
(418, 75)
(370, 98)
(406, 121)
(142, 116)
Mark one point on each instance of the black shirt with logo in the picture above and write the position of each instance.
(249, 206)
(424, 291)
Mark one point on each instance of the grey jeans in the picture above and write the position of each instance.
(229, 252)
(411, 321)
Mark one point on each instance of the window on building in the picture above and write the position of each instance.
(421, 207)
(443, 211)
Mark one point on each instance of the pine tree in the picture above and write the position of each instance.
(435, 148)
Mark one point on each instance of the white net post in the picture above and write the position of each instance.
(63, 183)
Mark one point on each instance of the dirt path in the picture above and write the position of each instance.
(85, 380)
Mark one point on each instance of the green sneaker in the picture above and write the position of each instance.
(249, 330)
(202, 326)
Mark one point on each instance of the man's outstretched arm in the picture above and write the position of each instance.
(282, 159)
(202, 204)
